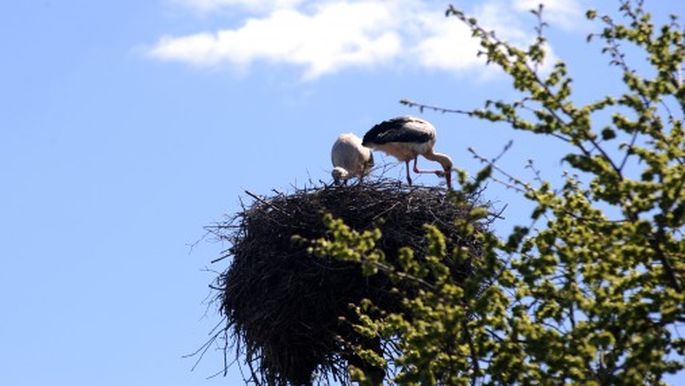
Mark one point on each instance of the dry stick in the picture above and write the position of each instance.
(256, 197)
(224, 256)
(203, 349)
(385, 211)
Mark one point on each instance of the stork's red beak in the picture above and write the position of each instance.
(448, 179)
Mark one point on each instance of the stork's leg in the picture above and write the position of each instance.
(417, 170)
(408, 175)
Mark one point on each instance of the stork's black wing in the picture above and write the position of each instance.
(400, 129)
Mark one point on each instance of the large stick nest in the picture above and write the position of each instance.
(284, 307)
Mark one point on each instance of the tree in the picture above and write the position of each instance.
(592, 291)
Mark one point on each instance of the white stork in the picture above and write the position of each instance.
(405, 138)
(350, 158)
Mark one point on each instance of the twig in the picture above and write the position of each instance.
(256, 197)
(422, 106)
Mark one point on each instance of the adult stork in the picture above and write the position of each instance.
(350, 158)
(405, 138)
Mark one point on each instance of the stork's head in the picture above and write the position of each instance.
(446, 163)
(339, 174)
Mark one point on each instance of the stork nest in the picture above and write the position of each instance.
(283, 307)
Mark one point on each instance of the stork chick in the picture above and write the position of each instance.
(405, 138)
(350, 158)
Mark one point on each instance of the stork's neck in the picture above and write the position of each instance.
(442, 159)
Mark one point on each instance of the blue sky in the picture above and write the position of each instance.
(126, 126)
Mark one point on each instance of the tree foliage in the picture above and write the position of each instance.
(591, 292)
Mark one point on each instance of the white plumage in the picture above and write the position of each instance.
(405, 138)
(350, 158)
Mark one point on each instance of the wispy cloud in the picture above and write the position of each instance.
(562, 13)
(337, 34)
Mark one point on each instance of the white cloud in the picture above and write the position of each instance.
(444, 46)
(336, 34)
(446, 43)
